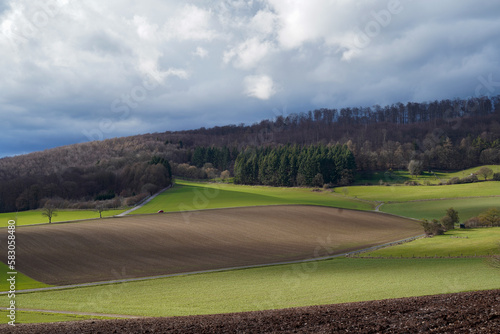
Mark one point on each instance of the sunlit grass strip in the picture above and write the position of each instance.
(187, 195)
(434, 177)
(314, 283)
(466, 208)
(465, 242)
(35, 216)
(411, 193)
(22, 281)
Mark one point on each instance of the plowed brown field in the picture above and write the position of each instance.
(161, 244)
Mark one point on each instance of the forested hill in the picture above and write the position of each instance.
(448, 134)
(372, 131)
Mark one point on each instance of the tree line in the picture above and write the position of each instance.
(287, 166)
(96, 183)
(488, 218)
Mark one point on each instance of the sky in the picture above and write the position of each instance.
(75, 71)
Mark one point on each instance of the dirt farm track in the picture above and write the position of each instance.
(148, 245)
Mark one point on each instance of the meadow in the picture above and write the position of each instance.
(398, 193)
(311, 283)
(35, 216)
(188, 195)
(435, 209)
(22, 281)
(427, 177)
(454, 243)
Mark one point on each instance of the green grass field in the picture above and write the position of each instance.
(22, 281)
(401, 176)
(468, 242)
(411, 193)
(324, 282)
(186, 195)
(466, 208)
(35, 216)
(27, 317)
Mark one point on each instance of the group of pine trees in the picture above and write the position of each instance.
(220, 158)
(288, 166)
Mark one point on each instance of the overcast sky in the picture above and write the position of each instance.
(74, 71)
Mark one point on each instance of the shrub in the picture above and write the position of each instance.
(131, 201)
(318, 180)
(115, 203)
(347, 177)
(472, 222)
(447, 223)
(496, 177)
(454, 180)
(433, 227)
(469, 179)
(490, 217)
(415, 167)
(328, 186)
(450, 219)
(453, 214)
(225, 175)
(412, 183)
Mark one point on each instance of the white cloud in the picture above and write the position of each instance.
(264, 22)
(201, 52)
(248, 54)
(145, 30)
(314, 20)
(176, 72)
(190, 23)
(259, 86)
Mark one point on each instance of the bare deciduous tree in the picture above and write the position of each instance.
(49, 211)
(485, 172)
(225, 175)
(100, 208)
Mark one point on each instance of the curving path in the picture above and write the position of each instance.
(379, 206)
(146, 201)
